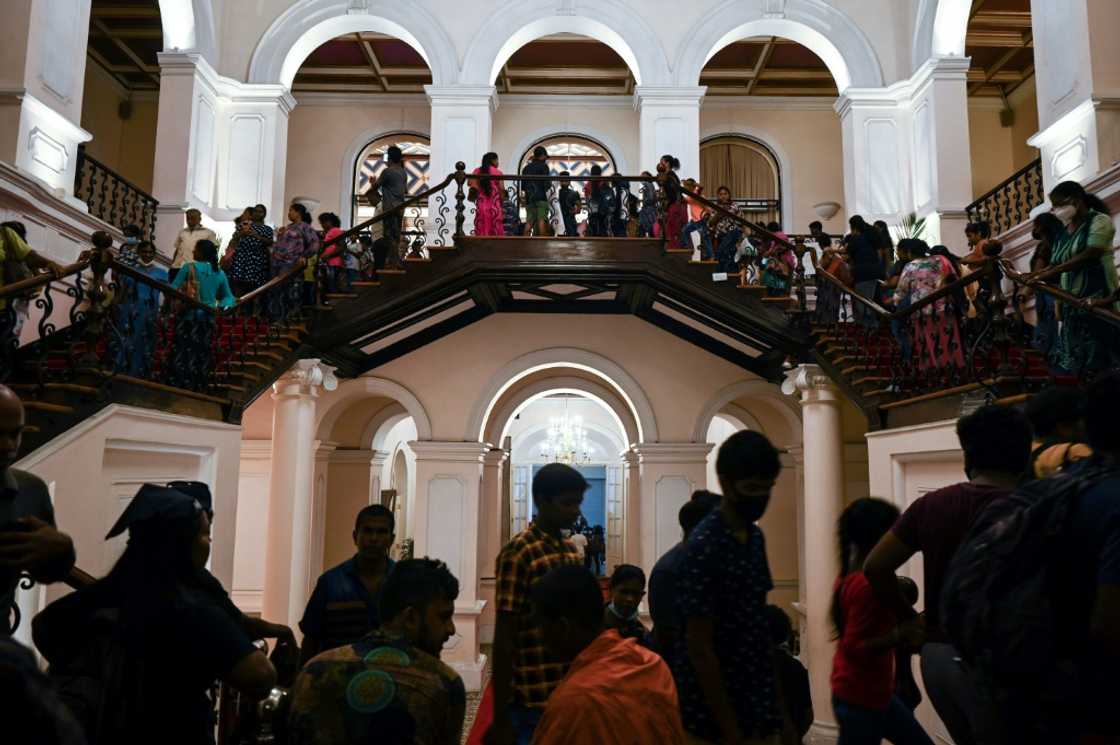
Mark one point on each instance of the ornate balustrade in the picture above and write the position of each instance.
(113, 198)
(1010, 203)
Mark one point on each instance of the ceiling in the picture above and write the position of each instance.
(1001, 46)
(126, 36)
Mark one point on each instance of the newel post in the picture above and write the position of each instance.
(460, 208)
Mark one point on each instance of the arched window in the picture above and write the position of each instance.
(749, 169)
(372, 161)
(573, 153)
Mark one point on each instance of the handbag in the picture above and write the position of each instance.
(188, 288)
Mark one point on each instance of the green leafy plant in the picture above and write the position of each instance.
(912, 227)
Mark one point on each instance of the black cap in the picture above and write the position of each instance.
(152, 505)
(198, 490)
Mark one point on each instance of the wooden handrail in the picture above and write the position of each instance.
(942, 292)
(163, 287)
(382, 215)
(871, 304)
(1085, 257)
(1038, 285)
(249, 297)
(43, 278)
(754, 227)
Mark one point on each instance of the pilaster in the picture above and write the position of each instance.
(462, 118)
(669, 122)
(670, 472)
(447, 525)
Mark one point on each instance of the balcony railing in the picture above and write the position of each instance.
(1010, 203)
(113, 198)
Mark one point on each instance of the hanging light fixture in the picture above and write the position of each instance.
(567, 440)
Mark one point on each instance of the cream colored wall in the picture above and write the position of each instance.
(347, 493)
(126, 146)
(94, 469)
(992, 152)
(320, 135)
(616, 126)
(1024, 102)
(811, 140)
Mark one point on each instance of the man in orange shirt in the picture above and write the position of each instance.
(616, 692)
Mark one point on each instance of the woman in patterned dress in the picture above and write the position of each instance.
(934, 330)
(250, 266)
(488, 215)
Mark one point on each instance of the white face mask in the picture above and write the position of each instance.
(1065, 213)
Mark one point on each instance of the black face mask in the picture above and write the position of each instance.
(750, 508)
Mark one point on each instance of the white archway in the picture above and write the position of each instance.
(940, 30)
(349, 164)
(373, 437)
(306, 25)
(334, 405)
(591, 132)
(785, 164)
(188, 25)
(569, 385)
(612, 22)
(830, 33)
(766, 393)
(606, 370)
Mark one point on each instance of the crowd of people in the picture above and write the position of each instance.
(1069, 335)
(1018, 641)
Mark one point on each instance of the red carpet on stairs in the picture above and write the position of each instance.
(483, 718)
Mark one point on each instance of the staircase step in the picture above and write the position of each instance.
(704, 261)
(341, 296)
(49, 408)
(365, 283)
(417, 258)
(679, 251)
(870, 380)
(67, 387)
(391, 271)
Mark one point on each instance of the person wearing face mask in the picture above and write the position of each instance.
(138, 312)
(724, 664)
(128, 252)
(1086, 344)
(628, 587)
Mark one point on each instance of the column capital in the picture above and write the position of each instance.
(494, 457)
(457, 452)
(360, 457)
(669, 95)
(672, 452)
(797, 454)
(305, 379)
(462, 95)
(325, 449)
(629, 457)
(813, 385)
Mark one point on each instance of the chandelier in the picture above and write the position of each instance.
(567, 440)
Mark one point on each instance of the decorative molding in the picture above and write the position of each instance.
(453, 452)
(494, 458)
(768, 103)
(458, 96)
(305, 378)
(366, 386)
(672, 452)
(193, 64)
(355, 456)
(756, 388)
(813, 385)
(884, 433)
(668, 95)
(256, 450)
(373, 100)
(23, 192)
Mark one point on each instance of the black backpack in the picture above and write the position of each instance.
(1005, 589)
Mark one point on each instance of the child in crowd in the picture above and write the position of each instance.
(627, 588)
(863, 681)
(793, 679)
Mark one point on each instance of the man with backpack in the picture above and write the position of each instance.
(997, 443)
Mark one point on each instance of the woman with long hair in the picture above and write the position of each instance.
(1086, 344)
(134, 653)
(933, 328)
(676, 216)
(487, 193)
(867, 632)
(192, 355)
(1047, 230)
(296, 243)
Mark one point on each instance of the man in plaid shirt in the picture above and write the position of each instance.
(523, 675)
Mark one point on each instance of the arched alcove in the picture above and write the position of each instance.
(188, 25)
(750, 169)
(940, 29)
(367, 164)
(333, 405)
(612, 22)
(826, 30)
(307, 25)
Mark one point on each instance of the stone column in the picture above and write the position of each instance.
(377, 462)
(670, 473)
(220, 144)
(1077, 78)
(903, 148)
(669, 122)
(797, 455)
(823, 447)
(460, 131)
(42, 81)
(631, 509)
(291, 490)
(495, 511)
(447, 524)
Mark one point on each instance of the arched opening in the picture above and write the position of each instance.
(372, 162)
(569, 427)
(750, 169)
(573, 153)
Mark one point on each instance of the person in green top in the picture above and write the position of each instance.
(192, 355)
(1086, 344)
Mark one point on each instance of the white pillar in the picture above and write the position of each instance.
(291, 491)
(823, 448)
(906, 149)
(220, 145)
(41, 85)
(495, 509)
(631, 509)
(1077, 82)
(377, 462)
(460, 131)
(669, 122)
(670, 472)
(446, 525)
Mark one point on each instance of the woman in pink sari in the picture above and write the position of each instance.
(487, 193)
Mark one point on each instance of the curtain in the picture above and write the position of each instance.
(743, 166)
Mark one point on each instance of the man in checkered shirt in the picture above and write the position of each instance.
(523, 674)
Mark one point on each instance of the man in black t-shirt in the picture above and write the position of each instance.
(536, 192)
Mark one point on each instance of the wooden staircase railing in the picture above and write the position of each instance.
(1010, 202)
